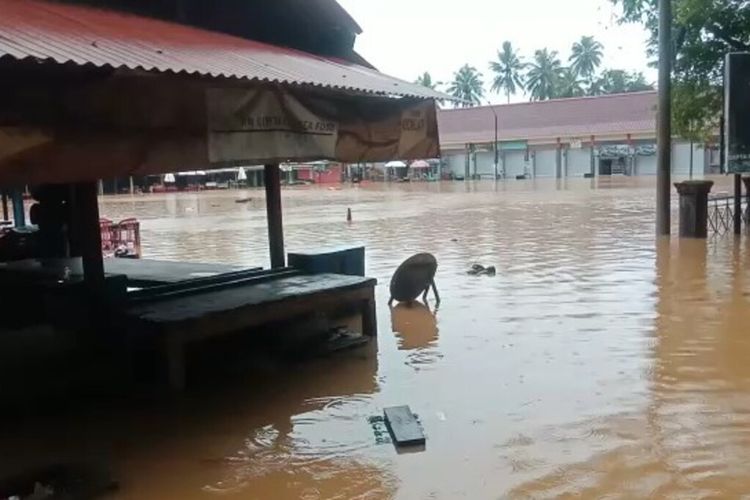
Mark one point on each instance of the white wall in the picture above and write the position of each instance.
(645, 165)
(456, 162)
(546, 162)
(681, 159)
(485, 164)
(514, 163)
(579, 162)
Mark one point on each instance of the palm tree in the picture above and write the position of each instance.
(425, 79)
(543, 75)
(467, 85)
(569, 85)
(585, 57)
(507, 69)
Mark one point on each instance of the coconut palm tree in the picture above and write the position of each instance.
(585, 57)
(508, 71)
(467, 85)
(425, 79)
(543, 75)
(569, 85)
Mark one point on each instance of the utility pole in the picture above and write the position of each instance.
(664, 121)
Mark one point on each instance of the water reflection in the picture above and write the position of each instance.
(415, 325)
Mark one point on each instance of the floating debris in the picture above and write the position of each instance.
(480, 270)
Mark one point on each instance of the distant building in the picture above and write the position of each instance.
(603, 135)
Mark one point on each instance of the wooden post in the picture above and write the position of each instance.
(592, 156)
(737, 204)
(5, 206)
(272, 177)
(89, 237)
(369, 315)
(746, 181)
(664, 120)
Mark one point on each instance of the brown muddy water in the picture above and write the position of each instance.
(596, 363)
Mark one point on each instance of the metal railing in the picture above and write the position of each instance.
(721, 214)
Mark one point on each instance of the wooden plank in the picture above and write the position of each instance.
(205, 285)
(222, 301)
(162, 271)
(403, 426)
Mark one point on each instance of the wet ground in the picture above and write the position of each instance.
(596, 363)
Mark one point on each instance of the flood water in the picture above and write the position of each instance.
(596, 363)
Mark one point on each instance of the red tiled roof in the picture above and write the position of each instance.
(34, 29)
(565, 118)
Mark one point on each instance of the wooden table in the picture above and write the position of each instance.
(178, 321)
(140, 272)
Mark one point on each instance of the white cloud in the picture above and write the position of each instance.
(407, 37)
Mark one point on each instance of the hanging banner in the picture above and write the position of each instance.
(266, 124)
(273, 125)
(737, 112)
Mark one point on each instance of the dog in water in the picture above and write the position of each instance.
(415, 276)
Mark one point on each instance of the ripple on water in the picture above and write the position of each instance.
(627, 374)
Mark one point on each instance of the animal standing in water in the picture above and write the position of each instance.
(414, 276)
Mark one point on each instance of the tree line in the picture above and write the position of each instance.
(703, 32)
(542, 77)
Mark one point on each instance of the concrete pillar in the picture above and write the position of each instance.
(132, 186)
(558, 161)
(694, 208)
(467, 164)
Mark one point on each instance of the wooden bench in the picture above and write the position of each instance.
(177, 315)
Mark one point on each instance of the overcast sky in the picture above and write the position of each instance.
(407, 37)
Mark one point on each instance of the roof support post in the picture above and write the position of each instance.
(89, 238)
(19, 214)
(272, 177)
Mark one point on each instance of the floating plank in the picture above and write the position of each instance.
(403, 426)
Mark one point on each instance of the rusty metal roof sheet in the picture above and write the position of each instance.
(33, 29)
(581, 117)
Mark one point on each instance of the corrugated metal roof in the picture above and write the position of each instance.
(104, 38)
(565, 118)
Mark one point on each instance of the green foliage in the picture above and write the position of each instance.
(425, 79)
(543, 75)
(694, 109)
(569, 84)
(586, 57)
(467, 86)
(618, 81)
(703, 32)
(508, 70)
